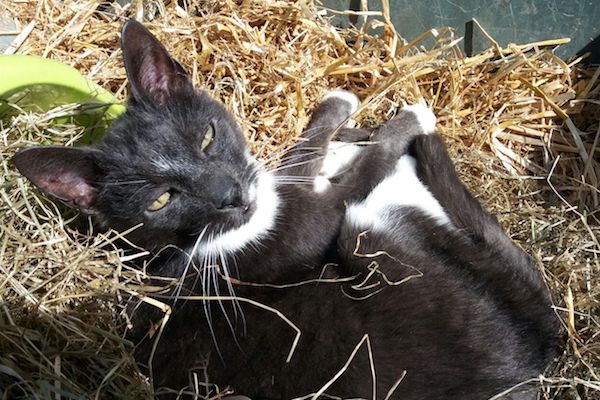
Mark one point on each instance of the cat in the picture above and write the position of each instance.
(356, 269)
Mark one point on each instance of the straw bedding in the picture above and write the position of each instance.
(522, 126)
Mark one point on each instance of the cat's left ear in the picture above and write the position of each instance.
(153, 74)
(66, 173)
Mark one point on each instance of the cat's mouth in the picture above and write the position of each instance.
(247, 224)
(238, 216)
(249, 210)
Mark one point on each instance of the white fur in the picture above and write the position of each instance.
(424, 115)
(401, 189)
(348, 97)
(252, 192)
(344, 95)
(321, 184)
(163, 163)
(339, 156)
(259, 225)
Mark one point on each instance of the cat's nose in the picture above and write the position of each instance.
(232, 198)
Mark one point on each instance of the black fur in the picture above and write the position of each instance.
(450, 312)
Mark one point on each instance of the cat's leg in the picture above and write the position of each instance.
(381, 159)
(420, 219)
(334, 110)
(507, 271)
(436, 171)
(409, 168)
(313, 156)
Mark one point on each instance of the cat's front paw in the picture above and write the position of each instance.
(423, 115)
(410, 121)
(341, 104)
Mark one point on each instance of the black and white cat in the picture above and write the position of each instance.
(380, 240)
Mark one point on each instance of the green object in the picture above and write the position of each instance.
(39, 84)
(507, 21)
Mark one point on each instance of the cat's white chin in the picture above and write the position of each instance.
(259, 225)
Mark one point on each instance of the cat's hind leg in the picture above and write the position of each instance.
(386, 157)
(501, 266)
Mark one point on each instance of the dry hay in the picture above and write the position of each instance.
(522, 125)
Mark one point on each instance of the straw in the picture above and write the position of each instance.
(522, 127)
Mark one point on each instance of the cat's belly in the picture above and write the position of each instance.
(438, 348)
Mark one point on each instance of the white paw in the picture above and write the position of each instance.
(339, 156)
(348, 97)
(345, 95)
(321, 184)
(424, 115)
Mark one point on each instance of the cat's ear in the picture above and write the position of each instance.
(153, 74)
(64, 172)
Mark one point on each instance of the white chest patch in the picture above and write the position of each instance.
(259, 225)
(401, 189)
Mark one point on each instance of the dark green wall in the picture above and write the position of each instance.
(507, 21)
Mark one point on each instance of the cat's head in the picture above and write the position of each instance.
(175, 163)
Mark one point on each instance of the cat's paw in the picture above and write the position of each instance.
(339, 157)
(411, 120)
(347, 102)
(344, 95)
(424, 116)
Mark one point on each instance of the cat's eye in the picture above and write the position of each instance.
(160, 202)
(208, 137)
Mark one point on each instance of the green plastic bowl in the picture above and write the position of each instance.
(38, 84)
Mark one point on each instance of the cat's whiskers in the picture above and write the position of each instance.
(280, 168)
(208, 261)
(274, 154)
(211, 277)
(250, 175)
(294, 180)
(189, 263)
(284, 148)
(233, 259)
(278, 150)
(284, 166)
(120, 183)
(284, 153)
(216, 279)
(283, 178)
(304, 152)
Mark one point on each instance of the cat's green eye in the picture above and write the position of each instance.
(160, 202)
(208, 137)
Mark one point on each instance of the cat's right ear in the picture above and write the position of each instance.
(153, 75)
(64, 172)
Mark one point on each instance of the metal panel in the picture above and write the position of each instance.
(507, 21)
